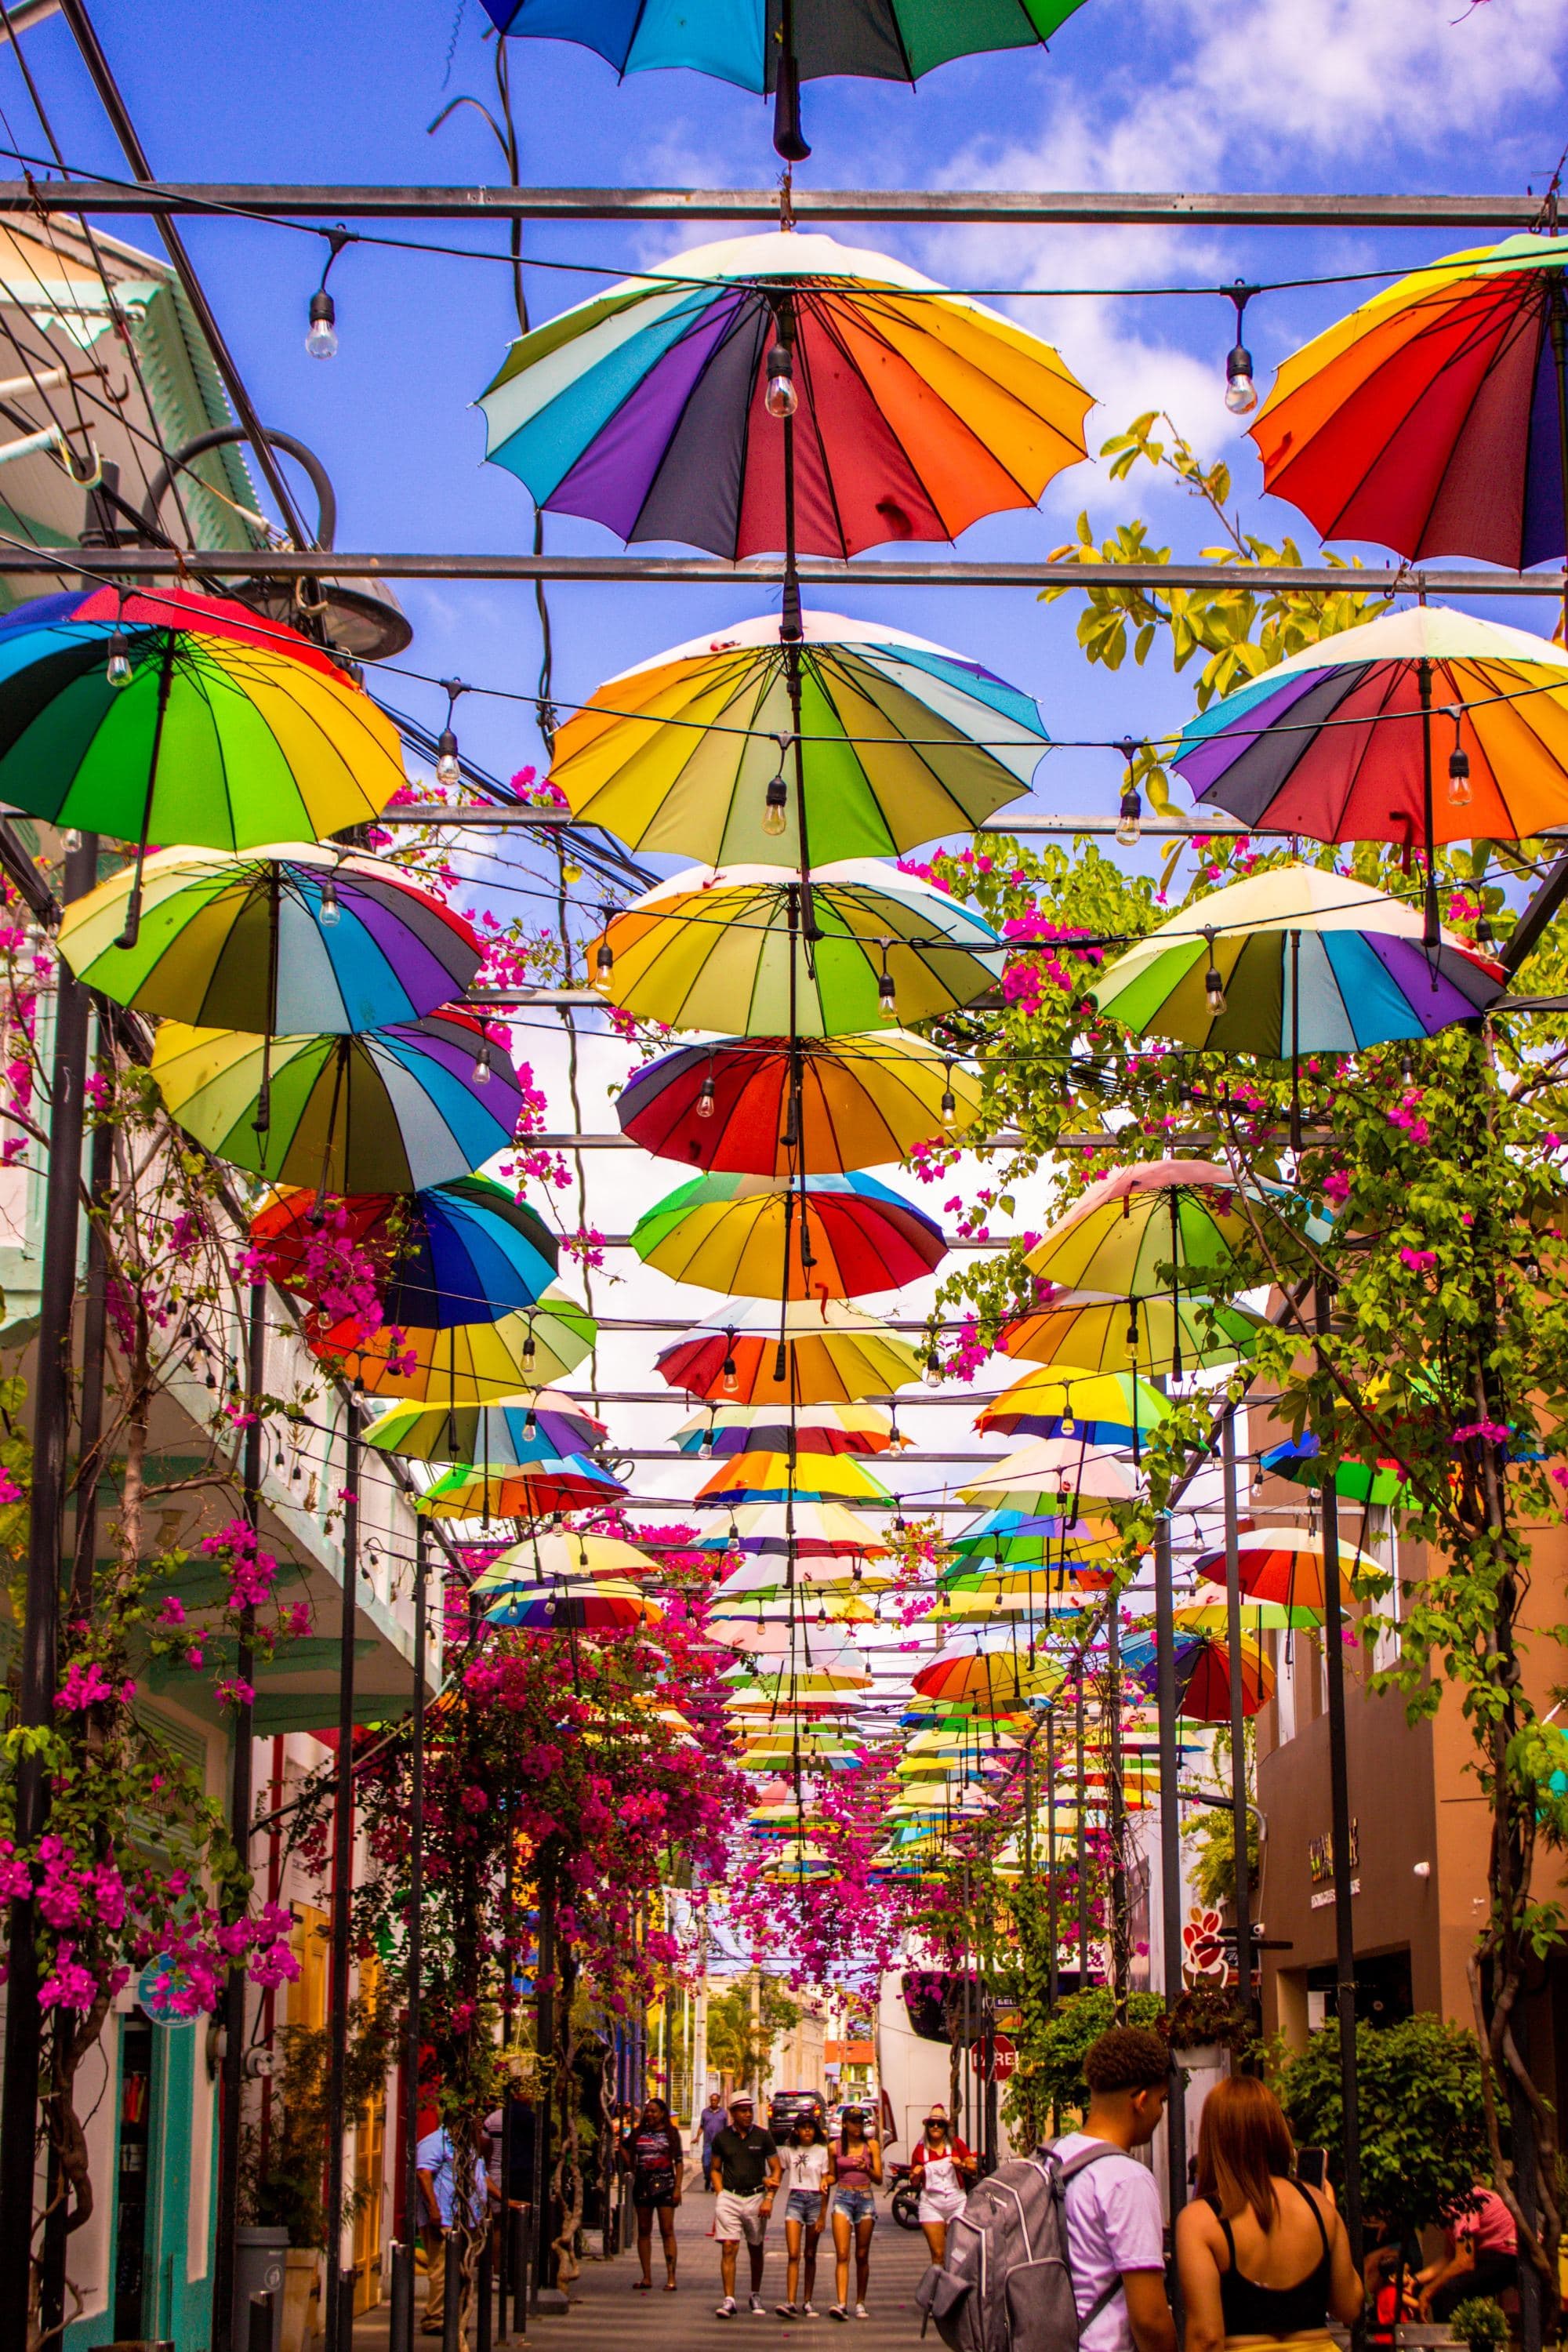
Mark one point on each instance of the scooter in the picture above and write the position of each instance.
(905, 2197)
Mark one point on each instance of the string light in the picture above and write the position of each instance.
(781, 397)
(887, 993)
(604, 968)
(1240, 391)
(117, 669)
(1458, 764)
(448, 767)
(1213, 986)
(321, 334)
(1130, 815)
(775, 806)
(934, 1373)
(484, 1062)
(707, 1097)
(330, 911)
(949, 1100)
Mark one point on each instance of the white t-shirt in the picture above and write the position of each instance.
(1113, 2225)
(803, 2167)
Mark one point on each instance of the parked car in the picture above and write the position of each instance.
(785, 2106)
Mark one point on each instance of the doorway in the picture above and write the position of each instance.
(133, 2176)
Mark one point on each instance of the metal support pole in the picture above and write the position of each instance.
(40, 1629)
(1170, 1850)
(1053, 1976)
(403, 2318)
(342, 1897)
(1118, 1814)
(224, 2318)
(544, 2039)
(1240, 1826)
(1340, 1818)
(1082, 1850)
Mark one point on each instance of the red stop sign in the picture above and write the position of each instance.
(1004, 2058)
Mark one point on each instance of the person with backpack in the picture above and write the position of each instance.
(1064, 2251)
(1260, 2253)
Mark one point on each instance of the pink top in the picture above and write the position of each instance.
(1488, 2225)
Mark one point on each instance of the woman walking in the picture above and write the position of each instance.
(655, 2155)
(857, 2169)
(1260, 2255)
(943, 2170)
(807, 2176)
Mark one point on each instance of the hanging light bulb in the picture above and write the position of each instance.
(728, 1379)
(1406, 1066)
(706, 1095)
(1213, 986)
(321, 335)
(933, 1372)
(887, 993)
(782, 398)
(117, 669)
(1458, 765)
(1240, 391)
(330, 911)
(529, 1353)
(449, 769)
(484, 1064)
(530, 1422)
(949, 1100)
(604, 968)
(775, 806)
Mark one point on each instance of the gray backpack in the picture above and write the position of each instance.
(1006, 2285)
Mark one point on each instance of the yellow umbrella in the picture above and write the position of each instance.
(1116, 1335)
(1133, 1225)
(769, 1237)
(832, 1354)
(475, 1363)
(562, 1554)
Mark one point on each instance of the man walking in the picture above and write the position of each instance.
(744, 2174)
(709, 2124)
(437, 2169)
(1115, 2237)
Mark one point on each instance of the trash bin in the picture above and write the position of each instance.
(260, 2257)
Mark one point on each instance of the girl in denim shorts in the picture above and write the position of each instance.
(807, 2162)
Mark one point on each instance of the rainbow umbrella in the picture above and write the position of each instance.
(573, 1605)
(399, 1109)
(766, 1238)
(1382, 1484)
(833, 1354)
(853, 741)
(859, 946)
(1295, 961)
(511, 1432)
(665, 407)
(772, 1477)
(567, 1483)
(808, 1532)
(1433, 420)
(1203, 1670)
(163, 714)
(1285, 1565)
(761, 47)
(541, 1559)
(468, 1251)
(1100, 1408)
(1121, 1335)
(1124, 1237)
(726, 1429)
(1052, 1475)
(774, 1106)
(1210, 1613)
(1069, 1547)
(465, 1364)
(287, 939)
(989, 1676)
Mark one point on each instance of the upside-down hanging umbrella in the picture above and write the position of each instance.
(833, 1355)
(773, 1478)
(1068, 1546)
(1307, 962)
(1124, 1235)
(805, 1865)
(1286, 1565)
(766, 1238)
(806, 1532)
(718, 749)
(1434, 419)
(771, 1107)
(1382, 1483)
(766, 48)
(683, 404)
(985, 1675)
(539, 1558)
(728, 950)
(1013, 1597)
(1204, 1670)
(533, 1491)
(467, 1252)
(573, 1605)
(1099, 1408)
(1119, 1335)
(465, 1364)
(510, 1432)
(393, 1109)
(1051, 1475)
(1209, 1613)
(1345, 740)
(287, 939)
(725, 1429)
(164, 714)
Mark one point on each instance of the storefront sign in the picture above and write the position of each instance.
(1320, 1856)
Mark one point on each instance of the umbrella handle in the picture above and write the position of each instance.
(789, 142)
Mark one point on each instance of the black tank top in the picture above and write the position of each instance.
(1253, 2310)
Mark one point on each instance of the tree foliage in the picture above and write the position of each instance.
(1423, 2119)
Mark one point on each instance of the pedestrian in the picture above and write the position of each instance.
(745, 2174)
(1115, 2233)
(1482, 2257)
(653, 2153)
(807, 2163)
(857, 2169)
(943, 2170)
(709, 2124)
(435, 2169)
(1260, 2252)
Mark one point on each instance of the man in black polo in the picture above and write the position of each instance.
(745, 2174)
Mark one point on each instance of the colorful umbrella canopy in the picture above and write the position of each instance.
(810, 1531)
(1203, 1670)
(1210, 1613)
(716, 749)
(1286, 1565)
(727, 1428)
(984, 1674)
(856, 1102)
(287, 939)
(1119, 1335)
(539, 1558)
(766, 1238)
(647, 408)
(567, 1605)
(1122, 1238)
(394, 1110)
(213, 727)
(1432, 420)
(466, 1252)
(705, 947)
(1100, 1408)
(1342, 741)
(1051, 1474)
(568, 1482)
(833, 1355)
(1069, 1547)
(1382, 1483)
(512, 1432)
(466, 1364)
(771, 1477)
(1308, 963)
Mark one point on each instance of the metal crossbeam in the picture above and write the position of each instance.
(935, 207)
